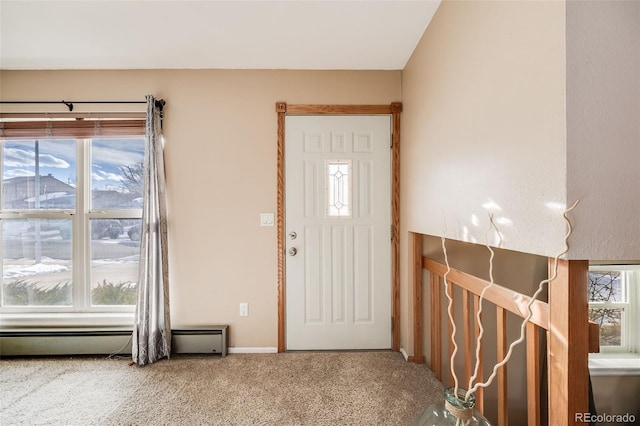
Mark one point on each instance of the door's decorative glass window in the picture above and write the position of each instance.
(339, 188)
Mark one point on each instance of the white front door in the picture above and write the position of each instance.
(338, 232)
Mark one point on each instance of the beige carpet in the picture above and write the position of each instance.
(300, 388)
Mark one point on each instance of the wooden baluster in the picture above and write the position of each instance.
(501, 325)
(436, 325)
(533, 374)
(468, 344)
(449, 291)
(476, 330)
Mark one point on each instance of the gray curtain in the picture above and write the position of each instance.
(152, 328)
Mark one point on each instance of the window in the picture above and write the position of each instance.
(339, 188)
(70, 214)
(613, 305)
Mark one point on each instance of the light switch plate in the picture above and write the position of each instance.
(266, 219)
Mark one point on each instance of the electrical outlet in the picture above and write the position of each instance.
(244, 309)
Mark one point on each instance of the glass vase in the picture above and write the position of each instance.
(454, 410)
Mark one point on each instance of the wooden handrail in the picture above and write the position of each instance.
(510, 300)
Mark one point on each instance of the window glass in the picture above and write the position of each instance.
(339, 188)
(47, 164)
(610, 321)
(116, 173)
(115, 252)
(606, 287)
(36, 262)
(608, 304)
(66, 249)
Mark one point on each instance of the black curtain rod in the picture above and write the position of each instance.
(159, 103)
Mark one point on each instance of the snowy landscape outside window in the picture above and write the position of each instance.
(71, 211)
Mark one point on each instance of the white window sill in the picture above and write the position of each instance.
(614, 364)
(48, 320)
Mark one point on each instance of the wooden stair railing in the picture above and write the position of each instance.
(569, 334)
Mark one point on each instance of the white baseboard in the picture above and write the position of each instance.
(248, 350)
(404, 354)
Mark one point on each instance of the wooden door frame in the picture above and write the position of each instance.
(394, 109)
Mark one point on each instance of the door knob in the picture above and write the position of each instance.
(293, 235)
(293, 251)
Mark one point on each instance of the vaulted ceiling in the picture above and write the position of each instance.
(169, 34)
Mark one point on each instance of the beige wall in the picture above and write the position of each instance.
(220, 153)
(603, 149)
(603, 127)
(484, 132)
(484, 124)
(483, 121)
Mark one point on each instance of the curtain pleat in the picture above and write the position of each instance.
(152, 326)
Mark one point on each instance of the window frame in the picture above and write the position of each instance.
(82, 311)
(631, 318)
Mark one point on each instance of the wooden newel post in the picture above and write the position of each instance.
(568, 322)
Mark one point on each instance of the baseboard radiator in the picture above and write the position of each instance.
(65, 341)
(106, 341)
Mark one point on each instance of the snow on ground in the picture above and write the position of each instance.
(17, 271)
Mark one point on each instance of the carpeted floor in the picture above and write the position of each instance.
(298, 388)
